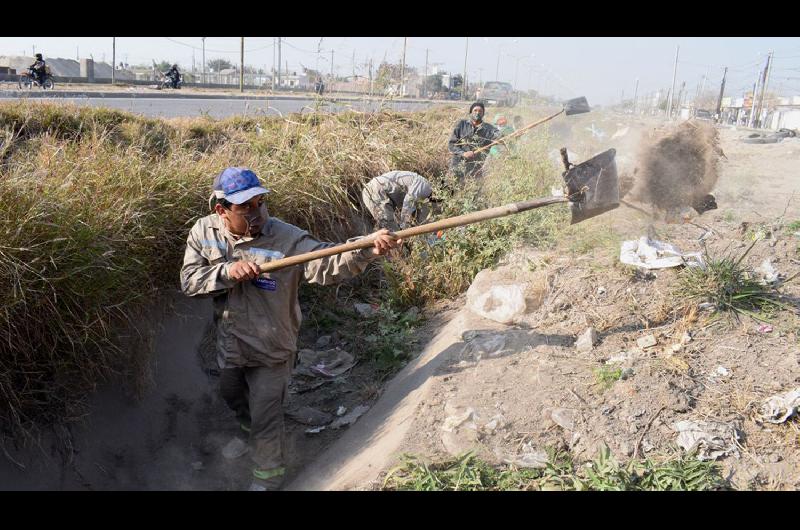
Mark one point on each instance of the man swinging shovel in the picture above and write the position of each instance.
(572, 106)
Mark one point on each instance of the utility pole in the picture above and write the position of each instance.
(403, 67)
(370, 76)
(241, 67)
(464, 80)
(757, 85)
(279, 62)
(680, 99)
(113, 58)
(635, 92)
(703, 87)
(721, 92)
(204, 58)
(767, 71)
(425, 80)
(672, 90)
(354, 64)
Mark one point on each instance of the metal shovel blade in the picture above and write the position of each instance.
(576, 106)
(593, 186)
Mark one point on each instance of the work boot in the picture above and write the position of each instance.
(267, 480)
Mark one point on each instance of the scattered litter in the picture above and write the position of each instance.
(652, 254)
(366, 310)
(587, 340)
(768, 274)
(323, 342)
(707, 306)
(315, 430)
(349, 418)
(235, 448)
(601, 290)
(564, 418)
(490, 345)
(494, 423)
(765, 328)
(309, 416)
(197, 466)
(781, 407)
(686, 338)
(328, 363)
(710, 439)
(341, 410)
(647, 341)
(454, 421)
(620, 358)
(530, 458)
(719, 373)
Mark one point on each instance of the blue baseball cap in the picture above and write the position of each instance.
(237, 185)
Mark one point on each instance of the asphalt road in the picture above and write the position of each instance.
(221, 108)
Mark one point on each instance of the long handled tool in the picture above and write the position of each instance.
(572, 106)
(591, 189)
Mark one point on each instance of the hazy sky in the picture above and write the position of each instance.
(600, 68)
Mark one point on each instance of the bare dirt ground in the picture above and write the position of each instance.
(535, 390)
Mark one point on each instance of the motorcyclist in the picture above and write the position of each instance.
(174, 75)
(38, 68)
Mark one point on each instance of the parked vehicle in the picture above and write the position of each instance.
(499, 93)
(28, 80)
(701, 114)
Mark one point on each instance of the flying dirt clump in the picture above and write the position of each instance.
(678, 167)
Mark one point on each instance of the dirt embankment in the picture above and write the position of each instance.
(509, 393)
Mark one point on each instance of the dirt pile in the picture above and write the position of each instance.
(677, 167)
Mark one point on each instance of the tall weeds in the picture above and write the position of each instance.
(97, 204)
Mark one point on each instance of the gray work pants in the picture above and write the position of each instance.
(257, 395)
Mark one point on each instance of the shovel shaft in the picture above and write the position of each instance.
(452, 222)
(517, 133)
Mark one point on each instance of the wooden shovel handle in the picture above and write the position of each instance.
(517, 133)
(452, 222)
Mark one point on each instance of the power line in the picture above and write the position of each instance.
(216, 51)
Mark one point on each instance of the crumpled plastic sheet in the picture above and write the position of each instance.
(711, 439)
(653, 254)
(781, 407)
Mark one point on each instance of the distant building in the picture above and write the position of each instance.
(69, 68)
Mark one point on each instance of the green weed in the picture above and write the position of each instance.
(604, 473)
